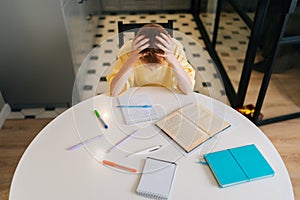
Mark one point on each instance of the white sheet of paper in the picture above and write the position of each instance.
(136, 115)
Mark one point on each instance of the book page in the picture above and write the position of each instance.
(204, 118)
(182, 131)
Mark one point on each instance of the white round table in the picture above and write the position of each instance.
(48, 171)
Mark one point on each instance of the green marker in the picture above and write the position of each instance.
(100, 119)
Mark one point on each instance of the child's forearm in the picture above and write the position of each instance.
(119, 81)
(183, 80)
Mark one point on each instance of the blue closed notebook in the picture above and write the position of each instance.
(238, 165)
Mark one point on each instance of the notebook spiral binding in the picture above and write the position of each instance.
(152, 195)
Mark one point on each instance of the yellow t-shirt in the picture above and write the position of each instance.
(160, 76)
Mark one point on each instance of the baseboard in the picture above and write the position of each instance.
(4, 113)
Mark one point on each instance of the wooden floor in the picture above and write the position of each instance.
(286, 138)
(16, 135)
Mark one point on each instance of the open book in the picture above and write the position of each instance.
(191, 125)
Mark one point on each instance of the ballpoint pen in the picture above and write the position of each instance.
(134, 106)
(121, 141)
(146, 151)
(100, 119)
(115, 165)
(76, 146)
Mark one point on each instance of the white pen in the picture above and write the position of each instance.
(146, 151)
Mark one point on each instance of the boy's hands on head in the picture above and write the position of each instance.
(139, 43)
(165, 43)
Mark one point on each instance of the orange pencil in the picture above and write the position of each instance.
(112, 164)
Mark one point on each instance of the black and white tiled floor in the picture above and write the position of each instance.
(232, 41)
(35, 113)
(92, 73)
(282, 96)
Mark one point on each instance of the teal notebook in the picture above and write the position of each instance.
(238, 165)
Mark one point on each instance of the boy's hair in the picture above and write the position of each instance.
(151, 31)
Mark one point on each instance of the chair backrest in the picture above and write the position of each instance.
(136, 26)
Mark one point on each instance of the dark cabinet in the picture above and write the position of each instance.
(136, 5)
(41, 46)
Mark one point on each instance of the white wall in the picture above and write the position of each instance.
(2, 103)
(4, 110)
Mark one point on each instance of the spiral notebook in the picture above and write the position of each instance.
(157, 178)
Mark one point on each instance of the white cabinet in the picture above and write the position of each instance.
(74, 25)
(80, 21)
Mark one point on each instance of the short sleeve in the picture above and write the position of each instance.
(181, 57)
(122, 57)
